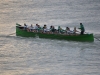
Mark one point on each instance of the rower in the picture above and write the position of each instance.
(25, 26)
(69, 31)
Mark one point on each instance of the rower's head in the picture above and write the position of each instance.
(24, 24)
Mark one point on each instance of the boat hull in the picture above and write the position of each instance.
(85, 37)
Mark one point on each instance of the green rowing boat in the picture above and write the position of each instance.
(24, 33)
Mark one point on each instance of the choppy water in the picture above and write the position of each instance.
(36, 56)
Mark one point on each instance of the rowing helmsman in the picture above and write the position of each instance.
(82, 28)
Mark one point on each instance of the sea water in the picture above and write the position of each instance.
(36, 56)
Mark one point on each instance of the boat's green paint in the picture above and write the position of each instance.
(85, 37)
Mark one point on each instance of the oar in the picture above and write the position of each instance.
(12, 33)
(97, 38)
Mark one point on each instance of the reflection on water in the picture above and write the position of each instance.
(28, 56)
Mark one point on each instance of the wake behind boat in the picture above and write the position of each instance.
(21, 31)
